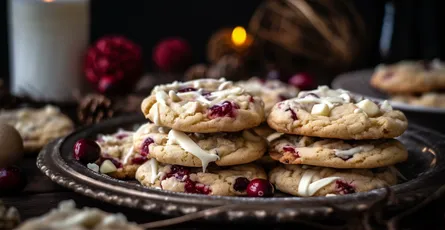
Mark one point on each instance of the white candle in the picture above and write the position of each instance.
(48, 39)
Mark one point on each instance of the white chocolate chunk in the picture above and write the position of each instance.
(369, 107)
(385, 106)
(173, 96)
(345, 154)
(93, 167)
(190, 146)
(156, 118)
(320, 109)
(161, 97)
(107, 167)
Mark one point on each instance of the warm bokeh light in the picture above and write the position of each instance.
(48, 0)
(239, 35)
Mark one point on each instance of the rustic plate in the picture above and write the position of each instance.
(358, 82)
(424, 170)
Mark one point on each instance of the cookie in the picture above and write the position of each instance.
(271, 91)
(38, 126)
(118, 148)
(409, 77)
(336, 153)
(204, 106)
(263, 130)
(306, 181)
(432, 99)
(217, 181)
(67, 216)
(198, 149)
(330, 113)
(148, 134)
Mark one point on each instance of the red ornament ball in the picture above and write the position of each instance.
(303, 81)
(172, 55)
(113, 63)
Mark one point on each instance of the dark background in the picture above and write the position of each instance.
(418, 33)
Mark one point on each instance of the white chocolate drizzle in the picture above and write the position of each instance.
(190, 146)
(345, 154)
(274, 136)
(128, 155)
(306, 188)
(154, 170)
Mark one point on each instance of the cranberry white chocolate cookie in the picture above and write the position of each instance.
(222, 181)
(67, 216)
(271, 91)
(38, 126)
(199, 149)
(431, 99)
(307, 181)
(330, 113)
(204, 106)
(117, 156)
(409, 77)
(336, 153)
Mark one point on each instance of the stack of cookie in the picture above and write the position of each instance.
(331, 142)
(418, 83)
(199, 138)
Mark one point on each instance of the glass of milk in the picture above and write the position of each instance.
(48, 40)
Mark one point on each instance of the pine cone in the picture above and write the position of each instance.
(229, 67)
(94, 108)
(196, 72)
(9, 217)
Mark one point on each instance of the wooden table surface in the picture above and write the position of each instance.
(41, 195)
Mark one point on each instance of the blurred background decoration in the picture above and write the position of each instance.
(135, 45)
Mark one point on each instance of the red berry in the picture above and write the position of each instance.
(260, 188)
(11, 180)
(172, 55)
(302, 81)
(227, 108)
(86, 151)
(241, 184)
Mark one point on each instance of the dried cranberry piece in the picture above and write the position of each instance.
(291, 150)
(179, 172)
(293, 114)
(145, 146)
(241, 184)
(227, 108)
(251, 99)
(121, 136)
(189, 89)
(192, 187)
(344, 187)
(139, 160)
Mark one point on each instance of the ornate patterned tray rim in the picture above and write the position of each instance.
(51, 163)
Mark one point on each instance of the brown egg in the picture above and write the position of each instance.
(11, 146)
